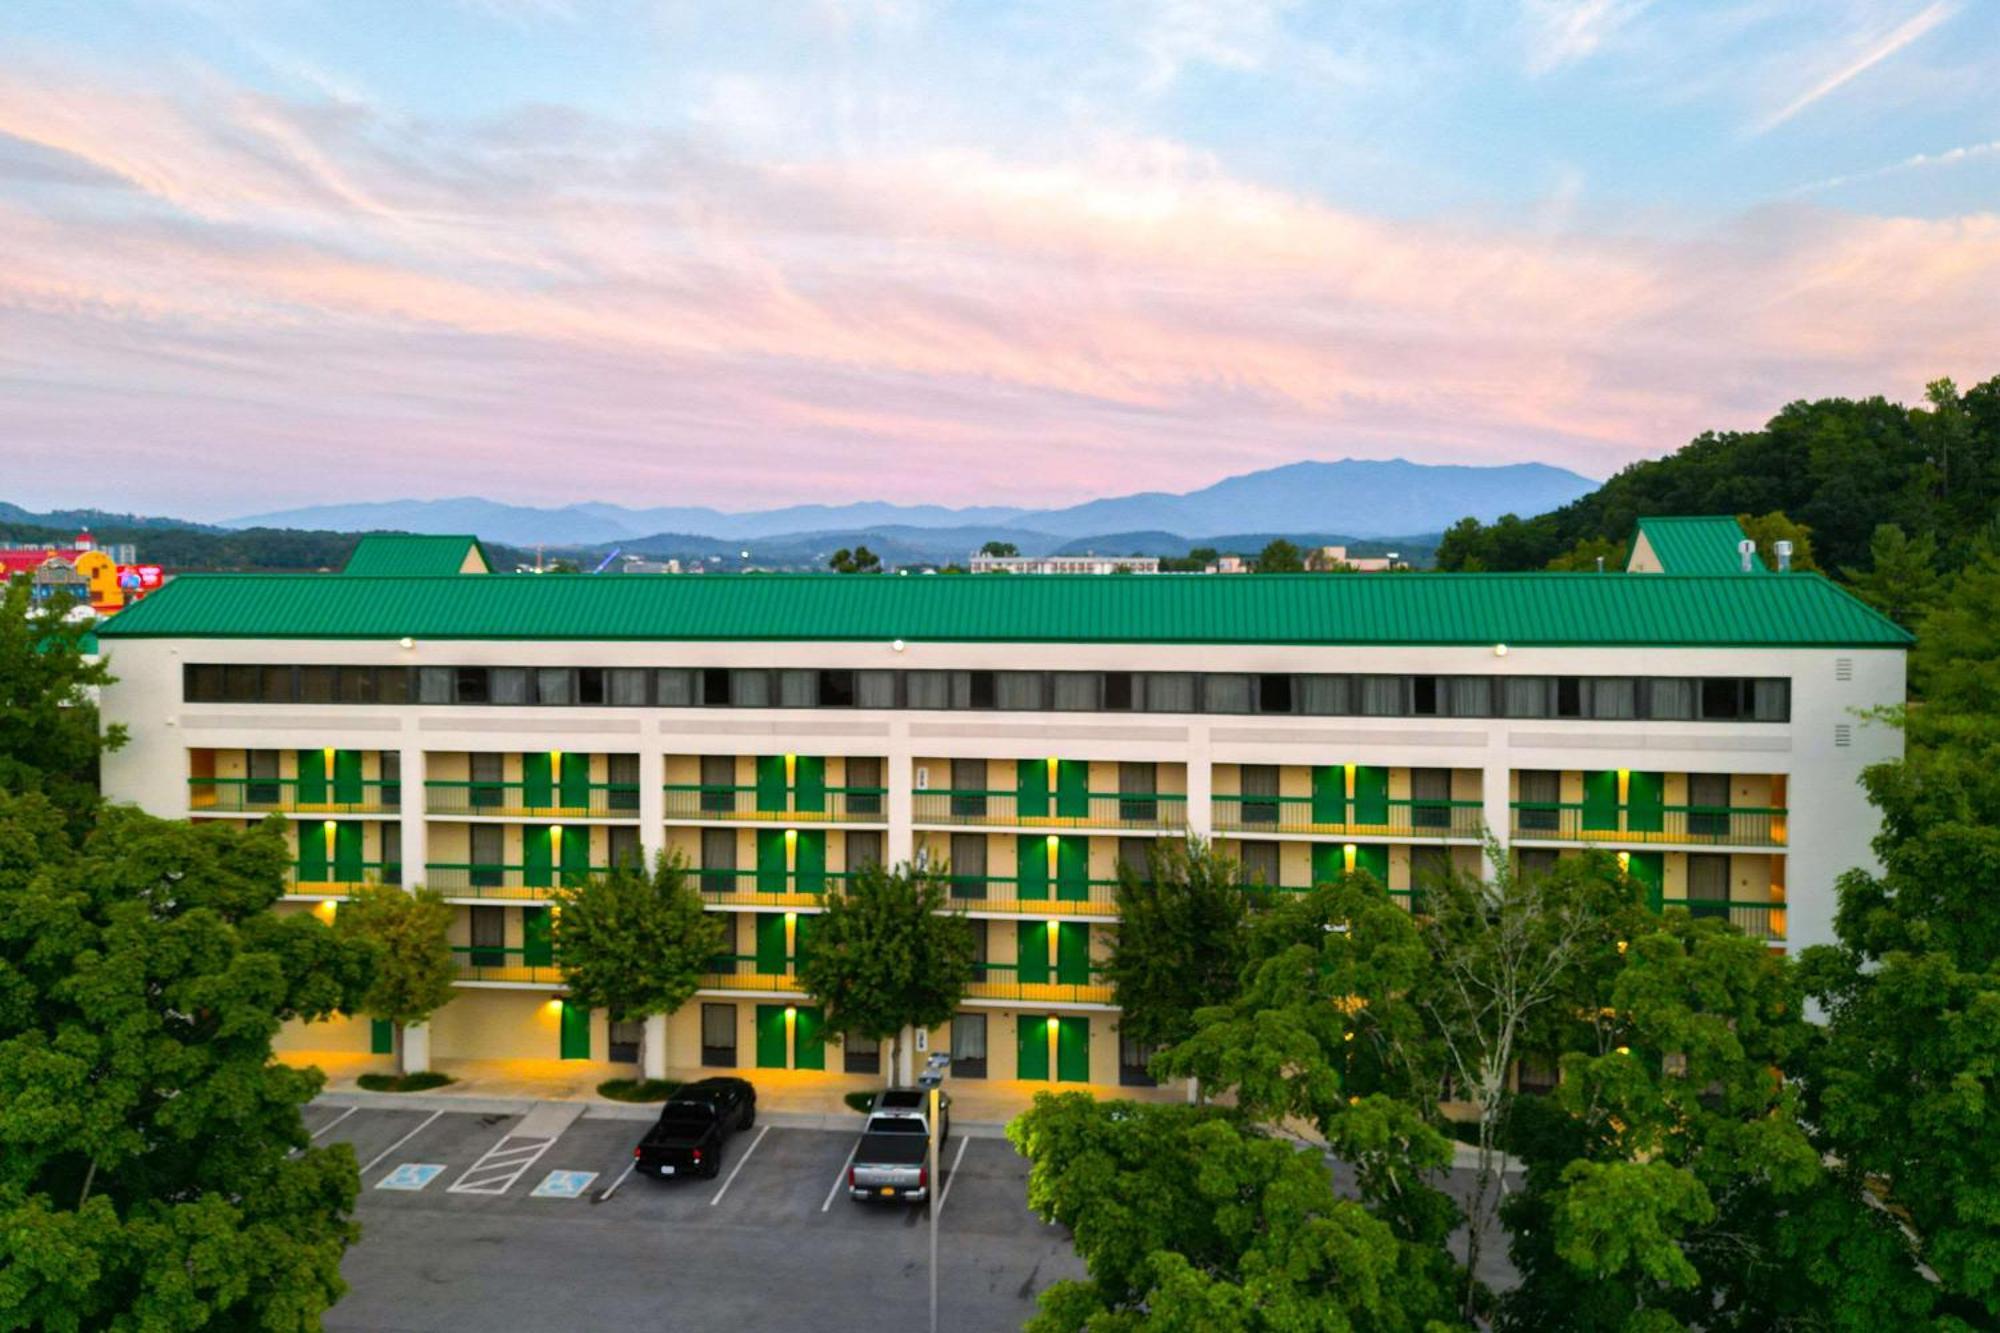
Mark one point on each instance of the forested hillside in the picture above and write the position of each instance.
(1839, 467)
(192, 548)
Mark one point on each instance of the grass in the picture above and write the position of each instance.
(638, 1089)
(863, 1102)
(423, 1082)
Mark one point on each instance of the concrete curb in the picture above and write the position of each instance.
(598, 1108)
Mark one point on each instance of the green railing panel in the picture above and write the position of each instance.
(268, 796)
(610, 800)
(1002, 893)
(830, 805)
(998, 808)
(502, 963)
(1301, 814)
(1677, 825)
(466, 879)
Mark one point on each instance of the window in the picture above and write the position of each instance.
(676, 688)
(1771, 700)
(1137, 780)
(201, 684)
(1721, 700)
(1382, 696)
(718, 784)
(863, 849)
(590, 685)
(1324, 696)
(968, 788)
(240, 684)
(622, 847)
(316, 685)
(1260, 780)
(621, 775)
(279, 687)
(555, 686)
(626, 687)
(1569, 696)
(508, 685)
(1227, 693)
(488, 849)
(715, 686)
(968, 1045)
(718, 1036)
(489, 936)
(1424, 697)
(1534, 862)
(968, 865)
(1525, 696)
(836, 689)
(1471, 696)
(874, 689)
(1076, 691)
(1133, 1057)
(625, 1036)
(1259, 864)
(1536, 1075)
(1430, 798)
(392, 852)
(1118, 692)
(973, 689)
(718, 860)
(1614, 697)
(1539, 795)
(800, 689)
(263, 787)
(1708, 804)
(1669, 699)
(392, 781)
(864, 786)
(1708, 884)
(436, 685)
(471, 685)
(488, 773)
(1136, 855)
(928, 689)
(1430, 867)
(1169, 692)
(1274, 694)
(978, 926)
(1018, 691)
(392, 684)
(860, 1055)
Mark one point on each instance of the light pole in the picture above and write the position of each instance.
(932, 1082)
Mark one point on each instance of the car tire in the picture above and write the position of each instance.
(749, 1117)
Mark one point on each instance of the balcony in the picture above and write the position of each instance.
(1270, 895)
(294, 796)
(1760, 921)
(1002, 982)
(502, 965)
(465, 879)
(1398, 818)
(522, 800)
(751, 887)
(738, 972)
(1051, 898)
(1662, 825)
(338, 881)
(1153, 812)
(696, 801)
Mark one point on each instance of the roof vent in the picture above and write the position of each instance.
(1746, 551)
(1784, 550)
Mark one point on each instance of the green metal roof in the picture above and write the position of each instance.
(1474, 609)
(1700, 545)
(406, 554)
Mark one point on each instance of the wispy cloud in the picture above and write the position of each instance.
(1878, 50)
(1562, 31)
(1949, 157)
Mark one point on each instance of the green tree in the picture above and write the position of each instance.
(1000, 549)
(1767, 530)
(1183, 938)
(635, 943)
(49, 735)
(1583, 557)
(885, 955)
(409, 937)
(1901, 580)
(860, 560)
(154, 1171)
(1280, 557)
(1187, 1219)
(1956, 662)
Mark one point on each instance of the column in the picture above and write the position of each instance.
(653, 1047)
(652, 798)
(899, 772)
(1200, 783)
(416, 841)
(1495, 780)
(416, 1048)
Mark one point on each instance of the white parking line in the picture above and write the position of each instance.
(841, 1179)
(376, 1160)
(951, 1175)
(501, 1165)
(336, 1120)
(739, 1165)
(605, 1194)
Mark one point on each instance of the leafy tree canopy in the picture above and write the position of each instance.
(408, 936)
(1281, 557)
(1182, 938)
(49, 734)
(1000, 549)
(635, 941)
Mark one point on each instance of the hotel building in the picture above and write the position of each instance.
(492, 736)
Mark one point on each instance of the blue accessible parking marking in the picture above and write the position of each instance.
(410, 1176)
(563, 1185)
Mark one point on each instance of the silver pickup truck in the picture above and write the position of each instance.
(891, 1161)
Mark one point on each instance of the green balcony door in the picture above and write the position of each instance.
(1072, 1050)
(381, 1037)
(771, 866)
(1600, 802)
(1650, 869)
(1329, 797)
(537, 781)
(1031, 867)
(311, 788)
(771, 952)
(575, 855)
(809, 783)
(1073, 870)
(312, 852)
(575, 1031)
(771, 784)
(538, 861)
(1031, 1034)
(1371, 794)
(809, 871)
(347, 777)
(1645, 802)
(576, 782)
(1072, 953)
(1329, 863)
(1031, 943)
(770, 1036)
(1031, 788)
(809, 1038)
(802, 935)
(537, 939)
(1373, 857)
(1072, 788)
(347, 858)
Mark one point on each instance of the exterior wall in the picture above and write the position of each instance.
(483, 1024)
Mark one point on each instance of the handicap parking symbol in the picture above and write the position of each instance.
(410, 1176)
(563, 1185)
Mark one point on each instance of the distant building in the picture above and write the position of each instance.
(633, 564)
(405, 555)
(105, 578)
(1324, 559)
(1229, 564)
(1065, 564)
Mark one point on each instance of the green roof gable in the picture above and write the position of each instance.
(1705, 545)
(405, 554)
(1468, 609)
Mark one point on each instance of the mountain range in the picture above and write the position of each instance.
(1362, 498)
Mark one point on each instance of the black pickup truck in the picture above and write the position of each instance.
(688, 1137)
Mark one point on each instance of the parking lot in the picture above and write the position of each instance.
(533, 1221)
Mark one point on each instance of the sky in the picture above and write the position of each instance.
(749, 253)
